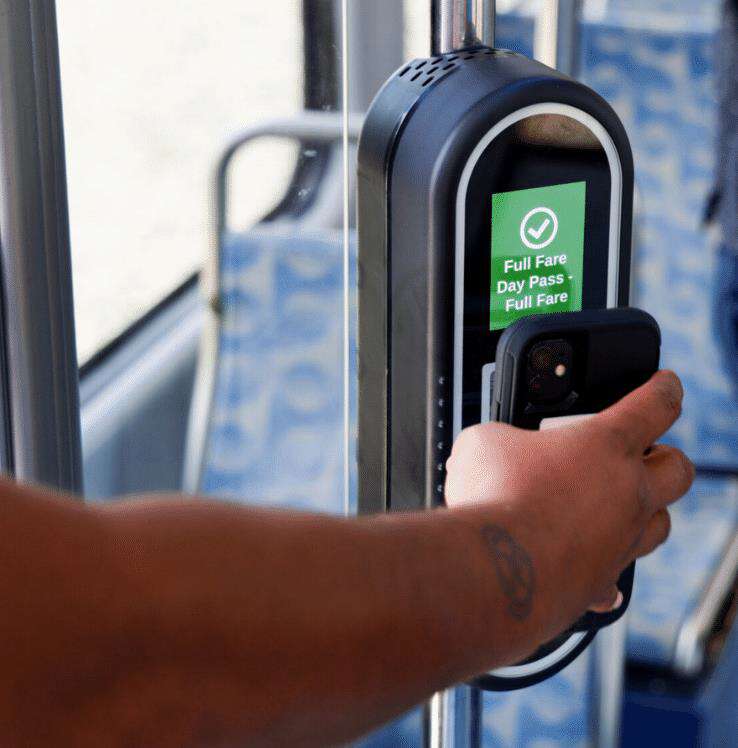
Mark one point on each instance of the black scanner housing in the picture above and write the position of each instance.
(417, 137)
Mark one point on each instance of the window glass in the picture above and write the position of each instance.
(152, 92)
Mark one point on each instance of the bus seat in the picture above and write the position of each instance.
(657, 69)
(275, 432)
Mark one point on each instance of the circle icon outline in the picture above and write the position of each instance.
(524, 226)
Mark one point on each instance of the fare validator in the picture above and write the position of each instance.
(490, 187)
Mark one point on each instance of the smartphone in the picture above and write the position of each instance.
(549, 370)
(555, 368)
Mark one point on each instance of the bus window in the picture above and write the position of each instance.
(151, 91)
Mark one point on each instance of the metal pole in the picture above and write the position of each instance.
(461, 24)
(569, 36)
(40, 366)
(608, 661)
(557, 35)
(457, 25)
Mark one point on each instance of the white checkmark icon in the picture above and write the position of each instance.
(546, 232)
(537, 234)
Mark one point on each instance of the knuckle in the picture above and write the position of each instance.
(644, 496)
(664, 527)
(670, 393)
(683, 468)
(689, 469)
(617, 436)
(468, 446)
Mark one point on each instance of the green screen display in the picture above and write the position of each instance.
(537, 252)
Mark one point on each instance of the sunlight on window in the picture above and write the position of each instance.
(152, 91)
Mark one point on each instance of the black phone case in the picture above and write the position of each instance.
(615, 352)
(621, 349)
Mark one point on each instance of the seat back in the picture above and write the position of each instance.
(276, 425)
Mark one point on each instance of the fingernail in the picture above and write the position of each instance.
(618, 601)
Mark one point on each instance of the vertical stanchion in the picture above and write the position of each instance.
(461, 24)
(457, 25)
(41, 400)
(345, 70)
(557, 35)
(609, 652)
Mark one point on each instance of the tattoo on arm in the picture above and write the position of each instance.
(514, 569)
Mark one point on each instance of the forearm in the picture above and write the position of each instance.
(300, 626)
(289, 629)
(197, 623)
(175, 622)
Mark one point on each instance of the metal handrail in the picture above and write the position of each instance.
(689, 653)
(455, 25)
(308, 127)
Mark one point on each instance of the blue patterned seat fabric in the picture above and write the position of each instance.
(276, 434)
(554, 713)
(276, 425)
(662, 85)
(670, 583)
(661, 81)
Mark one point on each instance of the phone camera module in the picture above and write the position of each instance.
(549, 371)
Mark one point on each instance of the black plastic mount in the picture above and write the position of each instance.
(418, 136)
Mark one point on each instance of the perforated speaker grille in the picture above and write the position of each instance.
(423, 73)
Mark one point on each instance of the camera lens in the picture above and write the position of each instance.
(549, 371)
(542, 358)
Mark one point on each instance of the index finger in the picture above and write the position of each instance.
(647, 413)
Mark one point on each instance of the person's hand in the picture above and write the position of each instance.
(586, 499)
